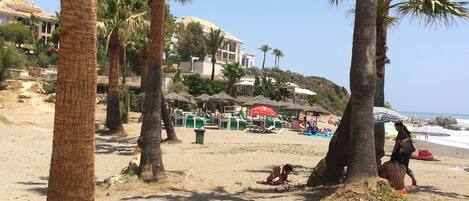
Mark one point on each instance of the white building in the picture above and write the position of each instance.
(12, 11)
(232, 51)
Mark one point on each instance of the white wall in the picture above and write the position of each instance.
(204, 68)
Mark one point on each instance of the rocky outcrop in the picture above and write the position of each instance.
(447, 122)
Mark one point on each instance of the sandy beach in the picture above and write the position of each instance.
(225, 168)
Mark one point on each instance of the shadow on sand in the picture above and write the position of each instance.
(437, 191)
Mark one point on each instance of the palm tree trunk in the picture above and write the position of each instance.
(381, 60)
(72, 175)
(330, 170)
(143, 78)
(214, 61)
(125, 118)
(168, 124)
(151, 165)
(113, 116)
(362, 168)
(263, 62)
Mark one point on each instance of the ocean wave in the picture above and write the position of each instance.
(464, 122)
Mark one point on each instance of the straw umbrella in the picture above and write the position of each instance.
(317, 110)
(175, 97)
(204, 98)
(222, 98)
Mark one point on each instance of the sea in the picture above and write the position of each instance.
(456, 139)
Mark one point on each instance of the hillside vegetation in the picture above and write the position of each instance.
(329, 95)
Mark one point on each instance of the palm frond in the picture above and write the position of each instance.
(183, 2)
(265, 48)
(433, 12)
(335, 2)
(214, 41)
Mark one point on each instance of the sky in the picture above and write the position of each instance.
(429, 70)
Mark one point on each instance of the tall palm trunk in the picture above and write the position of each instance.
(263, 62)
(113, 116)
(362, 168)
(151, 165)
(72, 174)
(143, 79)
(381, 60)
(125, 118)
(214, 61)
(330, 169)
(168, 124)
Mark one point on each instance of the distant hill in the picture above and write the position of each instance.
(330, 95)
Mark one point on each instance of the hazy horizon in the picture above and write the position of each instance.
(429, 65)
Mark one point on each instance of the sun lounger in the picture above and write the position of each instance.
(296, 126)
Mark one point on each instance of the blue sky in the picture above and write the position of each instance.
(430, 65)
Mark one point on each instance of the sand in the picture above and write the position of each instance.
(225, 168)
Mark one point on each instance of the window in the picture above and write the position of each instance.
(44, 27)
(49, 27)
(4, 19)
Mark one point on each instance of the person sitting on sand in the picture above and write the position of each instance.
(394, 172)
(278, 176)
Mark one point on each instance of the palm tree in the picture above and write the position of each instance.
(232, 72)
(362, 168)
(278, 54)
(264, 49)
(72, 175)
(115, 15)
(32, 22)
(214, 41)
(329, 170)
(151, 165)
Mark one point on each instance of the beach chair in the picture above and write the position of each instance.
(296, 126)
(199, 122)
(242, 124)
(190, 121)
(233, 123)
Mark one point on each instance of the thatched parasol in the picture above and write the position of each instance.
(295, 107)
(222, 97)
(243, 99)
(316, 109)
(203, 98)
(176, 97)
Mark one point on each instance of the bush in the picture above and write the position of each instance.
(49, 87)
(197, 85)
(178, 87)
(42, 60)
(15, 32)
(122, 107)
(136, 101)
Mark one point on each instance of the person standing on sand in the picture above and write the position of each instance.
(395, 172)
(278, 176)
(404, 158)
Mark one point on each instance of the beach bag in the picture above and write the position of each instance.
(407, 147)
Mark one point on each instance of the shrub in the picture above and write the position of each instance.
(197, 85)
(178, 87)
(122, 107)
(49, 87)
(42, 60)
(15, 32)
(136, 101)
